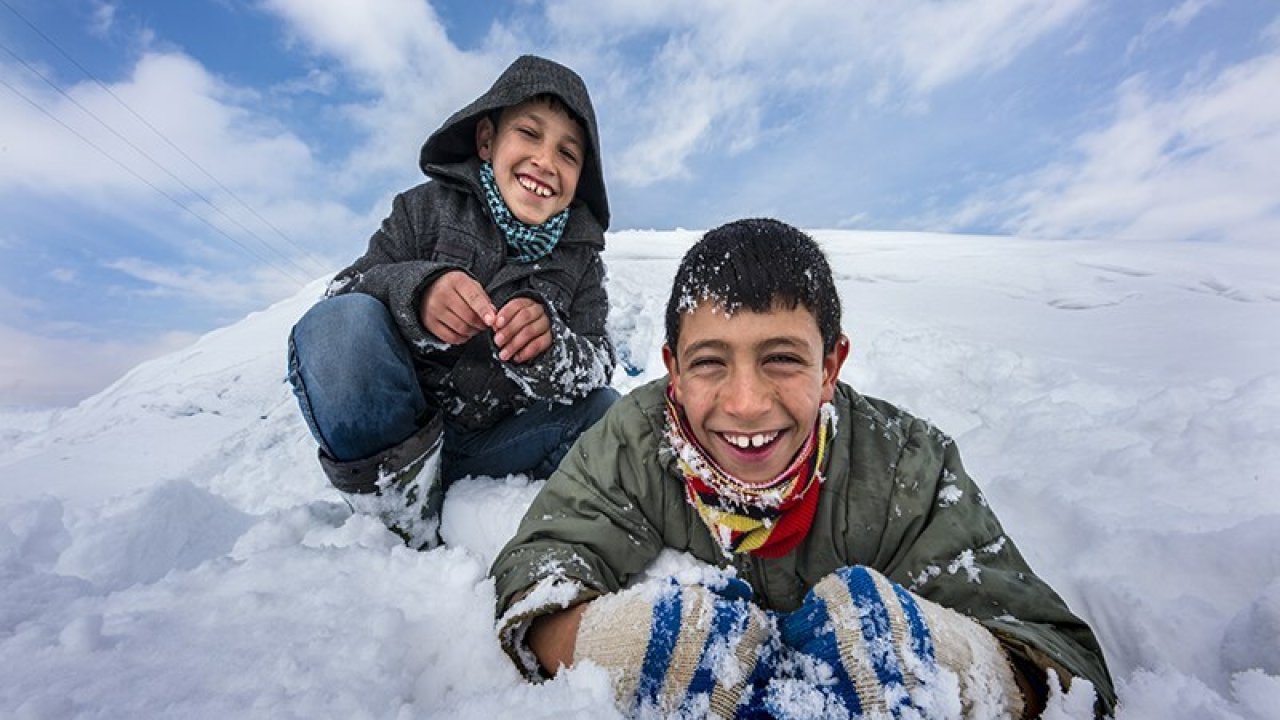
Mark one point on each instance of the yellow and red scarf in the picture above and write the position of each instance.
(765, 520)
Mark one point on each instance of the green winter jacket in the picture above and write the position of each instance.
(895, 498)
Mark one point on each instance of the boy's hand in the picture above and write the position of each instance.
(849, 622)
(522, 330)
(456, 307)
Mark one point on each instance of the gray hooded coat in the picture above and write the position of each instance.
(444, 225)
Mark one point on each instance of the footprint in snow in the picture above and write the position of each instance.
(1117, 269)
(1213, 286)
(1088, 302)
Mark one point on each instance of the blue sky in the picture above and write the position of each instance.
(166, 168)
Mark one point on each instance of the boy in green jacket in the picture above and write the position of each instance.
(860, 569)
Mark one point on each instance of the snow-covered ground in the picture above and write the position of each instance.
(170, 548)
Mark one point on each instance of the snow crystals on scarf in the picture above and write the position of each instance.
(766, 520)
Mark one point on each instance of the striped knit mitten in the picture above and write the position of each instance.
(880, 649)
(673, 649)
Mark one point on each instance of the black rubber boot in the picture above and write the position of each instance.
(400, 486)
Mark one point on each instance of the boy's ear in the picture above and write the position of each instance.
(484, 138)
(669, 359)
(831, 364)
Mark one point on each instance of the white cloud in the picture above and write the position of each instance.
(263, 286)
(661, 153)
(939, 43)
(316, 81)
(103, 18)
(1198, 163)
(194, 110)
(376, 39)
(14, 308)
(36, 370)
(242, 156)
(400, 54)
(853, 221)
(717, 64)
(1182, 15)
(1177, 18)
(721, 62)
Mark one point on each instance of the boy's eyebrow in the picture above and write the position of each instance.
(533, 114)
(711, 344)
(766, 344)
(785, 341)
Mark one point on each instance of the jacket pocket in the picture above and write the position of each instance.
(455, 248)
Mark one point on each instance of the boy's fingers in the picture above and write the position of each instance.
(535, 348)
(450, 328)
(521, 307)
(465, 309)
(475, 299)
(457, 294)
(526, 345)
(526, 336)
(517, 315)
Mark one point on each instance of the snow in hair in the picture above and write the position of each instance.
(757, 264)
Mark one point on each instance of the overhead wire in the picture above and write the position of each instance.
(283, 271)
(316, 266)
(151, 159)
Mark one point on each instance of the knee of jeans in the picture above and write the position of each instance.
(341, 317)
(597, 403)
(346, 329)
(347, 350)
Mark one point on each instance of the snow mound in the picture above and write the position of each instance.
(170, 548)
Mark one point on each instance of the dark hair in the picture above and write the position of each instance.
(757, 264)
(555, 102)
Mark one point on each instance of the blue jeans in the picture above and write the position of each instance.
(353, 376)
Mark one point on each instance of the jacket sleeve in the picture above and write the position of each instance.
(585, 534)
(958, 555)
(397, 267)
(581, 356)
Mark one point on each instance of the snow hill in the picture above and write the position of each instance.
(170, 548)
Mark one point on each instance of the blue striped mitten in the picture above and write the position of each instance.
(675, 650)
(879, 649)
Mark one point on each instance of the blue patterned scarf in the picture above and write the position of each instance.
(525, 242)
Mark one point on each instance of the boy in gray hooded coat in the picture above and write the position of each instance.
(469, 339)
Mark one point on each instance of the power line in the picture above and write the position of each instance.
(153, 186)
(152, 160)
(316, 266)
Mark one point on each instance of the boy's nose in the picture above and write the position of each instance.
(542, 156)
(747, 396)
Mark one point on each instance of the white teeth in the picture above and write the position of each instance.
(534, 188)
(749, 441)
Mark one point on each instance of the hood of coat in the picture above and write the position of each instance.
(527, 77)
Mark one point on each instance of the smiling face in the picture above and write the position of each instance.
(537, 151)
(751, 384)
